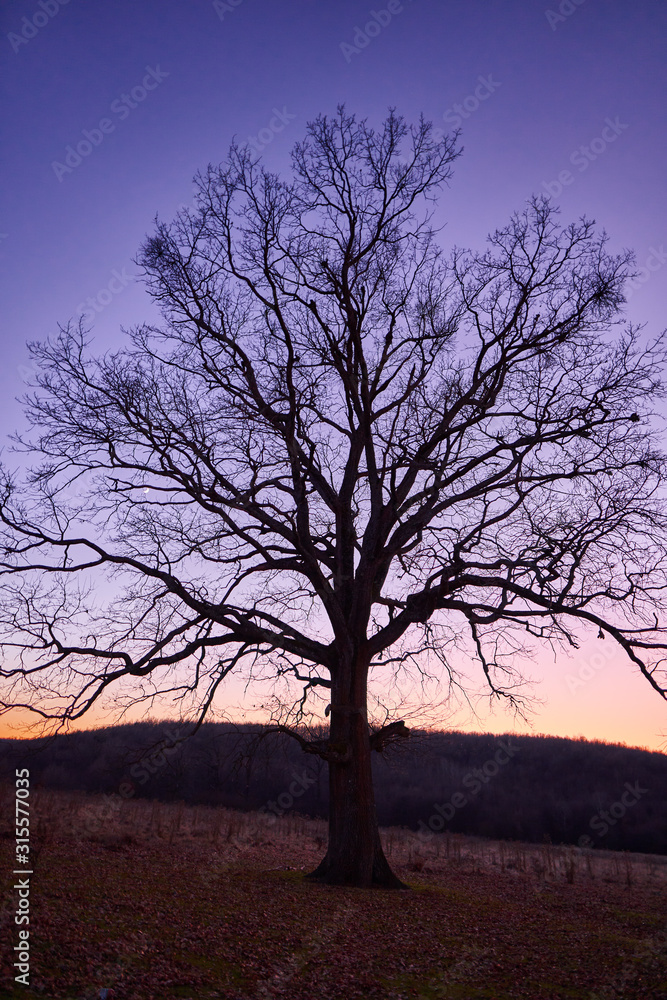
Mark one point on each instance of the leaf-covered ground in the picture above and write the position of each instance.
(204, 910)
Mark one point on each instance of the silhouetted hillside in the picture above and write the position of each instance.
(510, 787)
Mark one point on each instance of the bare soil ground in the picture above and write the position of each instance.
(165, 901)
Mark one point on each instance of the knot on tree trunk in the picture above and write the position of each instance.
(389, 735)
(343, 710)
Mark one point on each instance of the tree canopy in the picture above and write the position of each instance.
(342, 447)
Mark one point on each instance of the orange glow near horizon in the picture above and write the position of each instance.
(596, 694)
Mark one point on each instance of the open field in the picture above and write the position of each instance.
(166, 901)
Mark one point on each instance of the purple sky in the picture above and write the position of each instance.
(574, 91)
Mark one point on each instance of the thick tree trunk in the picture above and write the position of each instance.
(354, 854)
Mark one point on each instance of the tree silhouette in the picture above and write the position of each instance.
(340, 449)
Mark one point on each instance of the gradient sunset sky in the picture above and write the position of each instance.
(109, 109)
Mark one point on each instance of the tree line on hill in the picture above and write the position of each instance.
(530, 788)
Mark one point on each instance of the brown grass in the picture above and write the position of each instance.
(167, 900)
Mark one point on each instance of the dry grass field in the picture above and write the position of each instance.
(151, 901)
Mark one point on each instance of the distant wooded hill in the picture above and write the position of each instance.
(531, 788)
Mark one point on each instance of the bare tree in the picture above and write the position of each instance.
(339, 450)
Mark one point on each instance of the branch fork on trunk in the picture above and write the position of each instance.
(338, 753)
(388, 735)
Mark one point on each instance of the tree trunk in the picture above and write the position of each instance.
(354, 854)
